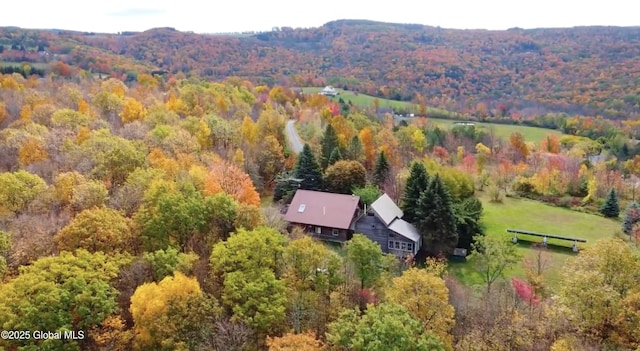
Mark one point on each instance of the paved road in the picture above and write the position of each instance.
(294, 139)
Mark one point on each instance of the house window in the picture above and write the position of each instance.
(400, 245)
(318, 230)
(334, 232)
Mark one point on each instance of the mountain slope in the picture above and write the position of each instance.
(587, 70)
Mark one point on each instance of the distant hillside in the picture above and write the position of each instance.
(585, 70)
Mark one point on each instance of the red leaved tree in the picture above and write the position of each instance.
(525, 291)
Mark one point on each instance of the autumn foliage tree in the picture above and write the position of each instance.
(248, 266)
(162, 312)
(71, 291)
(270, 160)
(368, 147)
(551, 144)
(176, 214)
(226, 177)
(132, 110)
(519, 146)
(343, 176)
(425, 296)
(18, 190)
(32, 151)
(378, 328)
(600, 293)
(97, 229)
(295, 342)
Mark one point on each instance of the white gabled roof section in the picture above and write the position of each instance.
(386, 209)
(406, 229)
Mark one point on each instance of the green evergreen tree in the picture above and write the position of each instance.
(285, 187)
(437, 222)
(468, 213)
(610, 208)
(417, 183)
(356, 151)
(382, 171)
(328, 143)
(308, 170)
(336, 156)
(631, 217)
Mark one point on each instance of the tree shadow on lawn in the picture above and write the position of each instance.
(552, 247)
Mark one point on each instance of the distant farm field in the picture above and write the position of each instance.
(534, 216)
(366, 101)
(501, 130)
(504, 130)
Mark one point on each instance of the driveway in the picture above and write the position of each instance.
(294, 139)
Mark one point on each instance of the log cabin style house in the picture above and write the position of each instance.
(325, 216)
(336, 217)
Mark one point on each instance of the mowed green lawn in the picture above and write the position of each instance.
(366, 101)
(503, 131)
(534, 216)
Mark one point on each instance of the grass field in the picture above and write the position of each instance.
(363, 100)
(503, 131)
(537, 217)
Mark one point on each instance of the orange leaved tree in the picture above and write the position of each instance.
(226, 177)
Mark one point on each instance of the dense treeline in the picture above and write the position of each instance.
(23, 71)
(585, 70)
(139, 212)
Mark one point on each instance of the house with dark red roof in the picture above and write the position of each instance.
(326, 216)
(335, 217)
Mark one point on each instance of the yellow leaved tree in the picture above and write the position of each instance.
(295, 342)
(165, 313)
(426, 298)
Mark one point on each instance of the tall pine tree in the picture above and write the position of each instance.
(355, 151)
(382, 171)
(468, 213)
(437, 222)
(329, 142)
(336, 156)
(417, 183)
(308, 170)
(610, 208)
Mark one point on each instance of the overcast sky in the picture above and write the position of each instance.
(216, 16)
